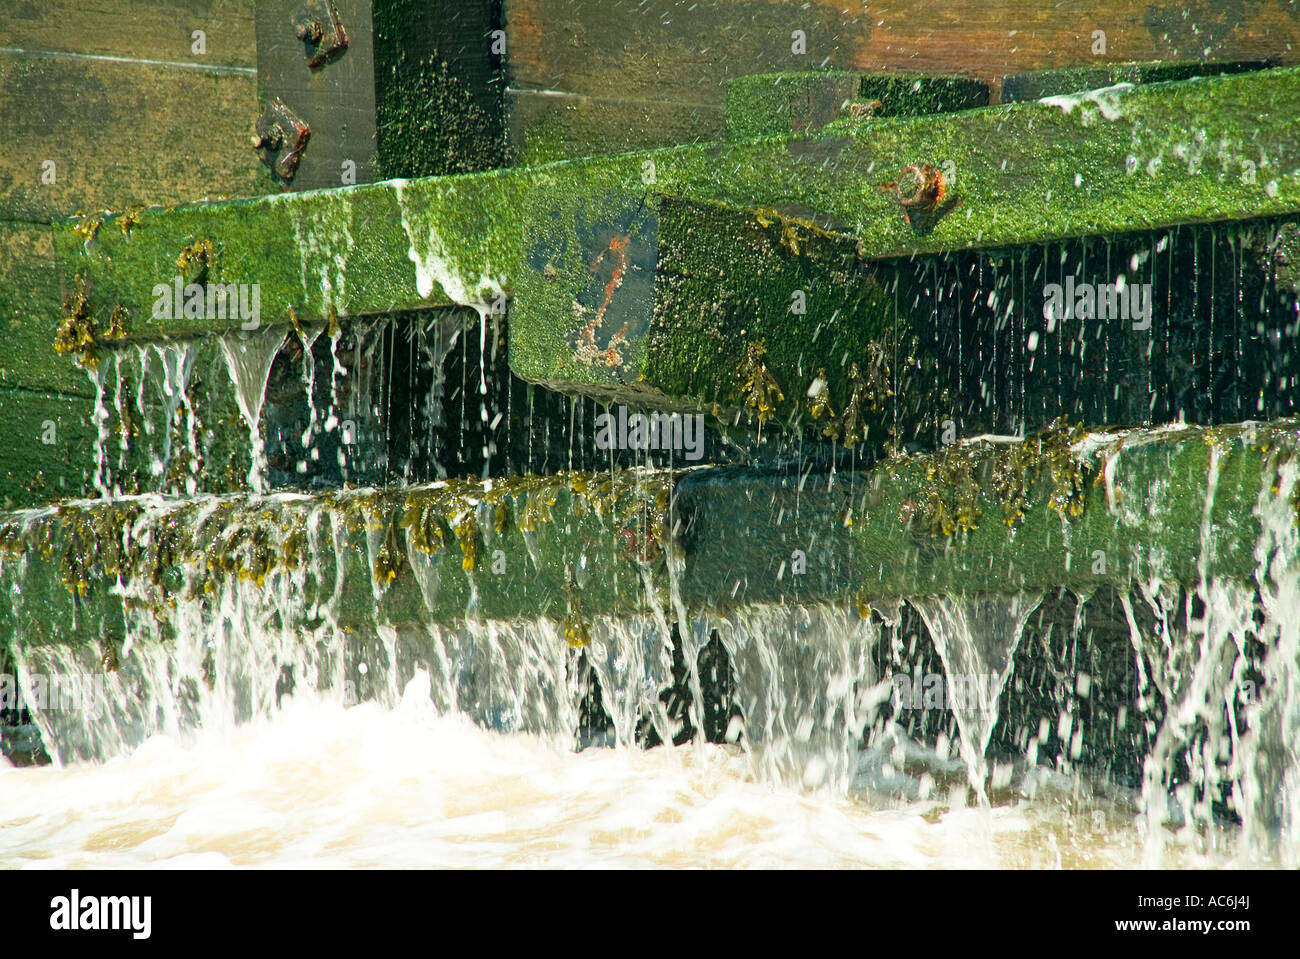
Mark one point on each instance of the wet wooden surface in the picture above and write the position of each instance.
(118, 98)
(629, 61)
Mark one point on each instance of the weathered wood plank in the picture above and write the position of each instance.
(624, 59)
(876, 535)
(661, 49)
(677, 304)
(397, 557)
(769, 103)
(866, 537)
(416, 91)
(971, 36)
(684, 53)
(336, 99)
(156, 30)
(549, 126)
(111, 134)
(681, 304)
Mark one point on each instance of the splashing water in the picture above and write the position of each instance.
(801, 678)
(321, 785)
(475, 724)
(977, 640)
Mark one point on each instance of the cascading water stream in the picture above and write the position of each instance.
(977, 640)
(802, 677)
(249, 358)
(229, 648)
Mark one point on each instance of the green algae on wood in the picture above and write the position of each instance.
(46, 452)
(439, 87)
(1179, 504)
(31, 307)
(783, 103)
(510, 549)
(1214, 149)
(551, 126)
(1036, 84)
(685, 304)
(1175, 504)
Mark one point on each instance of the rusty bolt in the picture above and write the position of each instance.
(920, 187)
(318, 26)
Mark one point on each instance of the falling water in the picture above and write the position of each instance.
(977, 640)
(249, 358)
(807, 697)
(802, 679)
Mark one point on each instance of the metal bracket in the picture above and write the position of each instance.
(280, 137)
(321, 32)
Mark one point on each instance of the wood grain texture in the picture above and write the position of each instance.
(133, 29)
(679, 54)
(992, 40)
(120, 133)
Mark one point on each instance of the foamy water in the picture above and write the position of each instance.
(322, 785)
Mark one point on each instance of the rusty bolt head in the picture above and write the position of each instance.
(920, 187)
(280, 137)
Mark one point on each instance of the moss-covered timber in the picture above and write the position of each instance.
(1036, 84)
(513, 549)
(46, 450)
(31, 305)
(779, 103)
(1064, 509)
(1176, 505)
(439, 88)
(678, 303)
(1158, 154)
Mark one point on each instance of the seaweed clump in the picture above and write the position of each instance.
(459, 510)
(870, 391)
(196, 260)
(76, 332)
(760, 389)
(575, 630)
(156, 555)
(951, 496)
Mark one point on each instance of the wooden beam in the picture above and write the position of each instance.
(89, 134)
(1024, 173)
